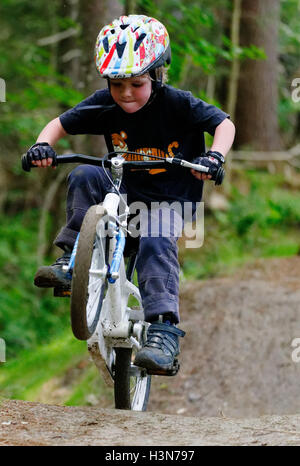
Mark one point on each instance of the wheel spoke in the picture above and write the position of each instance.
(132, 390)
(100, 245)
(92, 301)
(94, 283)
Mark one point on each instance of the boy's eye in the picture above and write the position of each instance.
(137, 84)
(115, 84)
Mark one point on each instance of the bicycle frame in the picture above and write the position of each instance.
(115, 329)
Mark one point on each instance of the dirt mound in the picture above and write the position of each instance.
(238, 383)
(35, 424)
(236, 357)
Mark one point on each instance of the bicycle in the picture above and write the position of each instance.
(101, 291)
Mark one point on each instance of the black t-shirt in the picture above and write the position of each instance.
(173, 123)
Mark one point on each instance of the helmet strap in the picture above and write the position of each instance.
(156, 81)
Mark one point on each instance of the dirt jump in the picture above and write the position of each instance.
(238, 383)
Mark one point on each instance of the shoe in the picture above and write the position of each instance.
(162, 346)
(54, 275)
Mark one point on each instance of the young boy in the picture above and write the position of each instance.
(139, 113)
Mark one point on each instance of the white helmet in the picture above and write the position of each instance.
(130, 46)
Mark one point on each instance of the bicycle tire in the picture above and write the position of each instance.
(131, 390)
(83, 325)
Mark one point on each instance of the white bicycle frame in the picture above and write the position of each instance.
(115, 329)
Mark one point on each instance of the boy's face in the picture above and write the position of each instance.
(131, 94)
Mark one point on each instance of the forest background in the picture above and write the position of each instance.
(241, 55)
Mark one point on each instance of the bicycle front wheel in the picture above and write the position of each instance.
(89, 282)
(132, 385)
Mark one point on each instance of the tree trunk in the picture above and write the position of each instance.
(257, 104)
(93, 15)
(235, 66)
(129, 7)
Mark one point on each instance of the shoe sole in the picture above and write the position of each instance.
(155, 370)
(62, 292)
(50, 281)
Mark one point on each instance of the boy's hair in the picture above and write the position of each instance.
(161, 74)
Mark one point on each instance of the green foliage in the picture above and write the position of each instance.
(263, 222)
(59, 370)
(290, 59)
(28, 315)
(35, 89)
(90, 385)
(23, 377)
(198, 39)
(265, 206)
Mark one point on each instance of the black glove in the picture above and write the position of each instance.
(214, 161)
(40, 151)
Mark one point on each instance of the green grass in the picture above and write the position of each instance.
(61, 364)
(90, 388)
(24, 376)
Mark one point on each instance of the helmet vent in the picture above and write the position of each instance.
(139, 41)
(120, 48)
(132, 45)
(105, 44)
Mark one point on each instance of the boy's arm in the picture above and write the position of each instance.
(52, 133)
(224, 137)
(222, 142)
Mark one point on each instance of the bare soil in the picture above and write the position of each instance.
(238, 383)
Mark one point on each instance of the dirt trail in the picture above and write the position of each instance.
(30, 424)
(238, 384)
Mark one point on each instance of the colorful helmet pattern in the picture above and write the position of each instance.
(130, 46)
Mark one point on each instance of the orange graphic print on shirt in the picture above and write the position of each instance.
(120, 145)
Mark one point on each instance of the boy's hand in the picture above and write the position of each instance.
(212, 160)
(42, 155)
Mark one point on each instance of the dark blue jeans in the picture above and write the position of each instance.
(157, 262)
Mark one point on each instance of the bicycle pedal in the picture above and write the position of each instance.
(62, 292)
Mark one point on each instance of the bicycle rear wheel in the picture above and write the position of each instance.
(88, 286)
(132, 385)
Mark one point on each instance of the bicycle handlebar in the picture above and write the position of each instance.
(153, 164)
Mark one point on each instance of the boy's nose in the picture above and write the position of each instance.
(126, 92)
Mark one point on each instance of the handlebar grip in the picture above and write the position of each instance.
(26, 163)
(219, 176)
